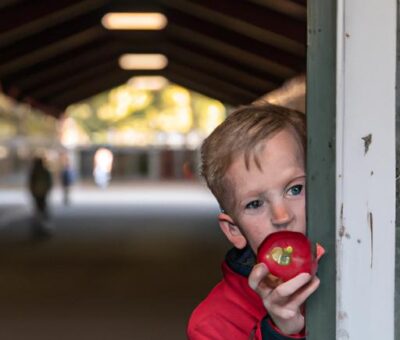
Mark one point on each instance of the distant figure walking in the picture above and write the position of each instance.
(40, 184)
(102, 167)
(67, 178)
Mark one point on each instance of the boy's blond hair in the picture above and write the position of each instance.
(242, 133)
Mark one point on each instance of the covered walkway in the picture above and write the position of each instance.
(129, 262)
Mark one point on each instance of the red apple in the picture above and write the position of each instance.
(287, 254)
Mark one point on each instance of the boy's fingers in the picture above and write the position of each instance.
(259, 271)
(256, 279)
(302, 295)
(290, 287)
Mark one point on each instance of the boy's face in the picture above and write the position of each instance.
(268, 199)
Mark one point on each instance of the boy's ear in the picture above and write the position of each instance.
(231, 231)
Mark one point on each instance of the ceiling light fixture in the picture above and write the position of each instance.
(143, 61)
(152, 83)
(134, 21)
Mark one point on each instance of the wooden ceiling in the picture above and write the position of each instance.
(55, 53)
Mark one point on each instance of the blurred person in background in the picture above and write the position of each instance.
(40, 184)
(67, 177)
(103, 161)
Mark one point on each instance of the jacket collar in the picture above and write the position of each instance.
(241, 261)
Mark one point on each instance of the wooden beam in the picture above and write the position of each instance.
(212, 82)
(222, 58)
(7, 3)
(54, 13)
(45, 93)
(52, 50)
(53, 35)
(187, 81)
(271, 67)
(205, 84)
(91, 86)
(48, 64)
(52, 73)
(218, 69)
(23, 12)
(253, 18)
(233, 38)
(266, 26)
(80, 60)
(285, 7)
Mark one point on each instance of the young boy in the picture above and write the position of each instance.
(254, 164)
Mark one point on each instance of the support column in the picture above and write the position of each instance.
(365, 165)
(321, 158)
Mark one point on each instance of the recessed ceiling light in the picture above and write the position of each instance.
(148, 82)
(143, 61)
(134, 21)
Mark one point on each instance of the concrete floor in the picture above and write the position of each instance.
(128, 262)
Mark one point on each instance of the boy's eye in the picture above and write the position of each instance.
(254, 204)
(295, 190)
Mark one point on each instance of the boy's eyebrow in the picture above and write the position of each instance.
(256, 192)
(298, 177)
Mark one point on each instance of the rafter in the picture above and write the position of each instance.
(212, 81)
(287, 7)
(52, 73)
(234, 52)
(62, 13)
(57, 52)
(57, 48)
(278, 31)
(218, 69)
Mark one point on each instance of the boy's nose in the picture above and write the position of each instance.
(281, 215)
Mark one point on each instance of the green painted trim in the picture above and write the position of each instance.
(321, 161)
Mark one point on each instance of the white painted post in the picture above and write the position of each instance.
(365, 131)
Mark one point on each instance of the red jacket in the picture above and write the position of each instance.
(233, 310)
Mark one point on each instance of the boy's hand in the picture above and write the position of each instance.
(284, 302)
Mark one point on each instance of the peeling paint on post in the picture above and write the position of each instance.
(351, 122)
(367, 142)
(371, 230)
(366, 161)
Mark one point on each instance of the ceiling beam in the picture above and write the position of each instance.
(7, 3)
(186, 81)
(230, 37)
(50, 81)
(114, 77)
(51, 50)
(55, 13)
(70, 57)
(219, 69)
(286, 7)
(81, 60)
(225, 59)
(234, 52)
(45, 93)
(55, 34)
(47, 65)
(27, 11)
(56, 72)
(90, 88)
(211, 81)
(266, 26)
